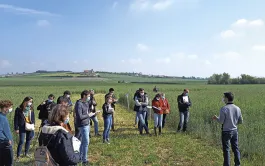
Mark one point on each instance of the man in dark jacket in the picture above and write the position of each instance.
(184, 104)
(45, 108)
(82, 120)
(66, 94)
(141, 103)
(111, 93)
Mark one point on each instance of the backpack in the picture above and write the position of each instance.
(43, 157)
(135, 94)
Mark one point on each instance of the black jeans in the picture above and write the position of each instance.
(227, 138)
(164, 120)
(6, 154)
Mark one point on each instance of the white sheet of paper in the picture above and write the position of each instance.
(91, 114)
(76, 144)
(185, 99)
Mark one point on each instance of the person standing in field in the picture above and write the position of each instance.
(24, 116)
(82, 111)
(158, 113)
(230, 116)
(111, 93)
(58, 140)
(45, 108)
(184, 103)
(165, 108)
(141, 103)
(64, 101)
(92, 106)
(108, 111)
(66, 94)
(6, 140)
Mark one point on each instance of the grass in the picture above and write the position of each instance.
(129, 148)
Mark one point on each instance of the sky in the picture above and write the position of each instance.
(165, 37)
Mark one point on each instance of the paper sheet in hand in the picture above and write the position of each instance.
(185, 99)
(76, 144)
(91, 114)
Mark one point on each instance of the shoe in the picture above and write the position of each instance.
(98, 134)
(27, 156)
(160, 130)
(155, 131)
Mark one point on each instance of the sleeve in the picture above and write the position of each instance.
(39, 107)
(240, 118)
(32, 117)
(154, 105)
(221, 117)
(67, 152)
(16, 119)
(137, 103)
(189, 104)
(7, 131)
(79, 112)
(168, 106)
(180, 103)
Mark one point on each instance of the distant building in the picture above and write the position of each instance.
(89, 72)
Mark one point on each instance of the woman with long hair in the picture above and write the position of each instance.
(24, 122)
(6, 141)
(158, 113)
(58, 140)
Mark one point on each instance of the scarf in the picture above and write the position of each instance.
(26, 111)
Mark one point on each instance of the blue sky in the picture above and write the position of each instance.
(171, 37)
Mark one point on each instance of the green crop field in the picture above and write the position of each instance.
(201, 145)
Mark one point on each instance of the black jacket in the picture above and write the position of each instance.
(82, 110)
(19, 119)
(60, 146)
(183, 106)
(142, 99)
(45, 109)
(93, 103)
(106, 110)
(114, 97)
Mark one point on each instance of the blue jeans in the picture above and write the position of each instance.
(107, 127)
(136, 119)
(142, 118)
(95, 120)
(158, 118)
(227, 138)
(183, 120)
(29, 136)
(84, 130)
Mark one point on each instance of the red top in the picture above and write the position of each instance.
(165, 105)
(155, 105)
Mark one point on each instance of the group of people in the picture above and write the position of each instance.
(57, 135)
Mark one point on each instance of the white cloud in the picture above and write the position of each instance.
(5, 63)
(193, 56)
(232, 55)
(248, 23)
(163, 60)
(135, 61)
(21, 10)
(258, 48)
(228, 34)
(155, 5)
(43, 23)
(162, 4)
(115, 4)
(142, 47)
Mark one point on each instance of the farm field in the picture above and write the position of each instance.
(201, 145)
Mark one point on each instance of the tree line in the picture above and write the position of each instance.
(225, 78)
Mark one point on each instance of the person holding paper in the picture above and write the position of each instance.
(63, 146)
(108, 111)
(184, 103)
(141, 103)
(92, 106)
(114, 100)
(230, 116)
(82, 119)
(158, 113)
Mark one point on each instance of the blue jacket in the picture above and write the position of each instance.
(82, 110)
(60, 146)
(5, 133)
(19, 119)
